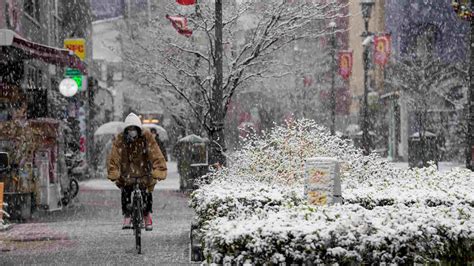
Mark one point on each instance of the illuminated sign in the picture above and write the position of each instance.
(77, 76)
(78, 46)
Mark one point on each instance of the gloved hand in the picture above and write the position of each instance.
(161, 178)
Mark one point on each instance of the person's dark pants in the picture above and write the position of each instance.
(126, 200)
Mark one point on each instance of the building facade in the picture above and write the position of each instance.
(417, 28)
(33, 61)
(427, 32)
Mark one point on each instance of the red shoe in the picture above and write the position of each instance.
(127, 223)
(148, 222)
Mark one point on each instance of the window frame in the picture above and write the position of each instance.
(32, 12)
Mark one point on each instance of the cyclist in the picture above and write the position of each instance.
(135, 153)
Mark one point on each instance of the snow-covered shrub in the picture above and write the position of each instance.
(275, 163)
(3, 213)
(279, 155)
(233, 198)
(344, 233)
(239, 207)
(413, 186)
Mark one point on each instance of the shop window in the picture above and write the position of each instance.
(33, 77)
(37, 103)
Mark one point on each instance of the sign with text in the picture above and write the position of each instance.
(78, 46)
(77, 76)
(322, 181)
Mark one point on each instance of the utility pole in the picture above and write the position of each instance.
(332, 26)
(366, 6)
(470, 97)
(217, 145)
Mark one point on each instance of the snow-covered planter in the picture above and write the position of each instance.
(255, 209)
(344, 233)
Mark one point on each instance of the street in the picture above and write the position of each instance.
(89, 232)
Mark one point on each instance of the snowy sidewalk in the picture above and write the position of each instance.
(170, 183)
(33, 237)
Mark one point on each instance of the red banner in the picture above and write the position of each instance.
(180, 23)
(186, 2)
(345, 64)
(383, 47)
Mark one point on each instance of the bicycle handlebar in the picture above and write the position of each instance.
(134, 180)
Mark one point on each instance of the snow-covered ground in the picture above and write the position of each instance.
(442, 166)
(170, 183)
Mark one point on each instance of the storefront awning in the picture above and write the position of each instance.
(52, 55)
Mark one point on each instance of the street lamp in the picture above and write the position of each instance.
(366, 6)
(332, 27)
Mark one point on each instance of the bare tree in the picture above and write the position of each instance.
(254, 32)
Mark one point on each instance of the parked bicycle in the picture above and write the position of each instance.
(70, 192)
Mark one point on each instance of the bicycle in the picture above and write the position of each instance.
(137, 208)
(70, 192)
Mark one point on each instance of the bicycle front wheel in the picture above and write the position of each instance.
(137, 224)
(138, 239)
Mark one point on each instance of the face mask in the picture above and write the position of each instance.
(133, 133)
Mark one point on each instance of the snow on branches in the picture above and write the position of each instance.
(253, 33)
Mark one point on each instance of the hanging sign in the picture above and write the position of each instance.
(383, 47)
(77, 76)
(186, 2)
(78, 46)
(180, 23)
(345, 63)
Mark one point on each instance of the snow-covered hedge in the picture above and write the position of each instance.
(235, 198)
(425, 186)
(255, 208)
(344, 233)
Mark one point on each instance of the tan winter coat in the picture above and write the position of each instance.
(133, 159)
